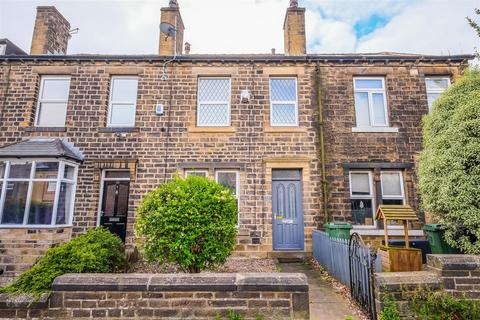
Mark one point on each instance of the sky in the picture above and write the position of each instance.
(255, 26)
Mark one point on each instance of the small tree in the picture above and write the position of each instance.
(188, 221)
(449, 169)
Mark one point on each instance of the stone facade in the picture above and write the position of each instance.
(457, 274)
(167, 296)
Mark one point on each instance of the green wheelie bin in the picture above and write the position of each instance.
(438, 244)
(338, 230)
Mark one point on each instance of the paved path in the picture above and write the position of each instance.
(325, 302)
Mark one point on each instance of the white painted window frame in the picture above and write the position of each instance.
(237, 187)
(283, 102)
(40, 100)
(102, 184)
(30, 180)
(393, 197)
(370, 92)
(436, 90)
(126, 103)
(369, 196)
(3, 49)
(228, 102)
(188, 171)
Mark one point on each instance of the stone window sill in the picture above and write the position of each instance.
(118, 129)
(211, 130)
(45, 129)
(269, 129)
(375, 129)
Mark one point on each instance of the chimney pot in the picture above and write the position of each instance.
(293, 3)
(273, 50)
(187, 48)
(51, 32)
(173, 4)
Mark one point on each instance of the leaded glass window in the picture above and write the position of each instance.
(213, 107)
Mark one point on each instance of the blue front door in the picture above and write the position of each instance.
(287, 210)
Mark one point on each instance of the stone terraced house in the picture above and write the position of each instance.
(300, 138)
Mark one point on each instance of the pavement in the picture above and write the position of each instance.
(325, 302)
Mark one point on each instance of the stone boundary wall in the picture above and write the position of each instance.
(172, 296)
(455, 273)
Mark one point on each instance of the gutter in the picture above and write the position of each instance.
(321, 140)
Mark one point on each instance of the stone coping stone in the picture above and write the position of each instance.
(396, 281)
(290, 282)
(453, 261)
(23, 301)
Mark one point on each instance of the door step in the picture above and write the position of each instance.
(290, 256)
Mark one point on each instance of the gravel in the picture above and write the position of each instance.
(232, 265)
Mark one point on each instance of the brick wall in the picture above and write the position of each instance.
(178, 296)
(457, 274)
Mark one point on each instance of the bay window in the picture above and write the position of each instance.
(37, 192)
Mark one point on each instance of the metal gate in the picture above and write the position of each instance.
(362, 266)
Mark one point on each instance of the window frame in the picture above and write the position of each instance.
(40, 100)
(296, 124)
(229, 102)
(370, 93)
(440, 91)
(187, 171)
(109, 123)
(370, 196)
(31, 179)
(237, 187)
(390, 197)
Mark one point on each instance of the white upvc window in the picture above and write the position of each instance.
(231, 180)
(370, 102)
(283, 102)
(37, 192)
(52, 101)
(3, 48)
(123, 101)
(213, 107)
(392, 187)
(362, 198)
(435, 87)
(196, 173)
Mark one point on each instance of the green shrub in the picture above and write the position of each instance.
(389, 311)
(449, 169)
(188, 221)
(96, 251)
(441, 305)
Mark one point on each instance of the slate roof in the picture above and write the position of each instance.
(42, 148)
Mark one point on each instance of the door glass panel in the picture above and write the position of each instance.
(41, 205)
(122, 205)
(15, 201)
(46, 170)
(117, 174)
(19, 170)
(64, 203)
(285, 174)
(280, 200)
(292, 212)
(361, 109)
(109, 199)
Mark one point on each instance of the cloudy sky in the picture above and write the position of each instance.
(255, 26)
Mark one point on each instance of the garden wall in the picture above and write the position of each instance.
(157, 296)
(455, 273)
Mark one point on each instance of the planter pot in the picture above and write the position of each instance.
(399, 259)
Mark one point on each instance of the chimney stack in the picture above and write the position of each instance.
(294, 30)
(51, 32)
(172, 44)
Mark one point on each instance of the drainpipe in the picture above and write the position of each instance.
(321, 141)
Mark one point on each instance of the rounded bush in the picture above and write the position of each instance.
(188, 221)
(96, 251)
(449, 169)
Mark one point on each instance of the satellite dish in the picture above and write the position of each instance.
(167, 29)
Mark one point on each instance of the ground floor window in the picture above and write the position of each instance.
(230, 179)
(37, 192)
(196, 173)
(362, 194)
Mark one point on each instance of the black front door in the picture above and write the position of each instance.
(115, 206)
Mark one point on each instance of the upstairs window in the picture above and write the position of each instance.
(213, 109)
(52, 101)
(435, 87)
(370, 102)
(392, 187)
(123, 101)
(37, 192)
(3, 48)
(361, 193)
(283, 102)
